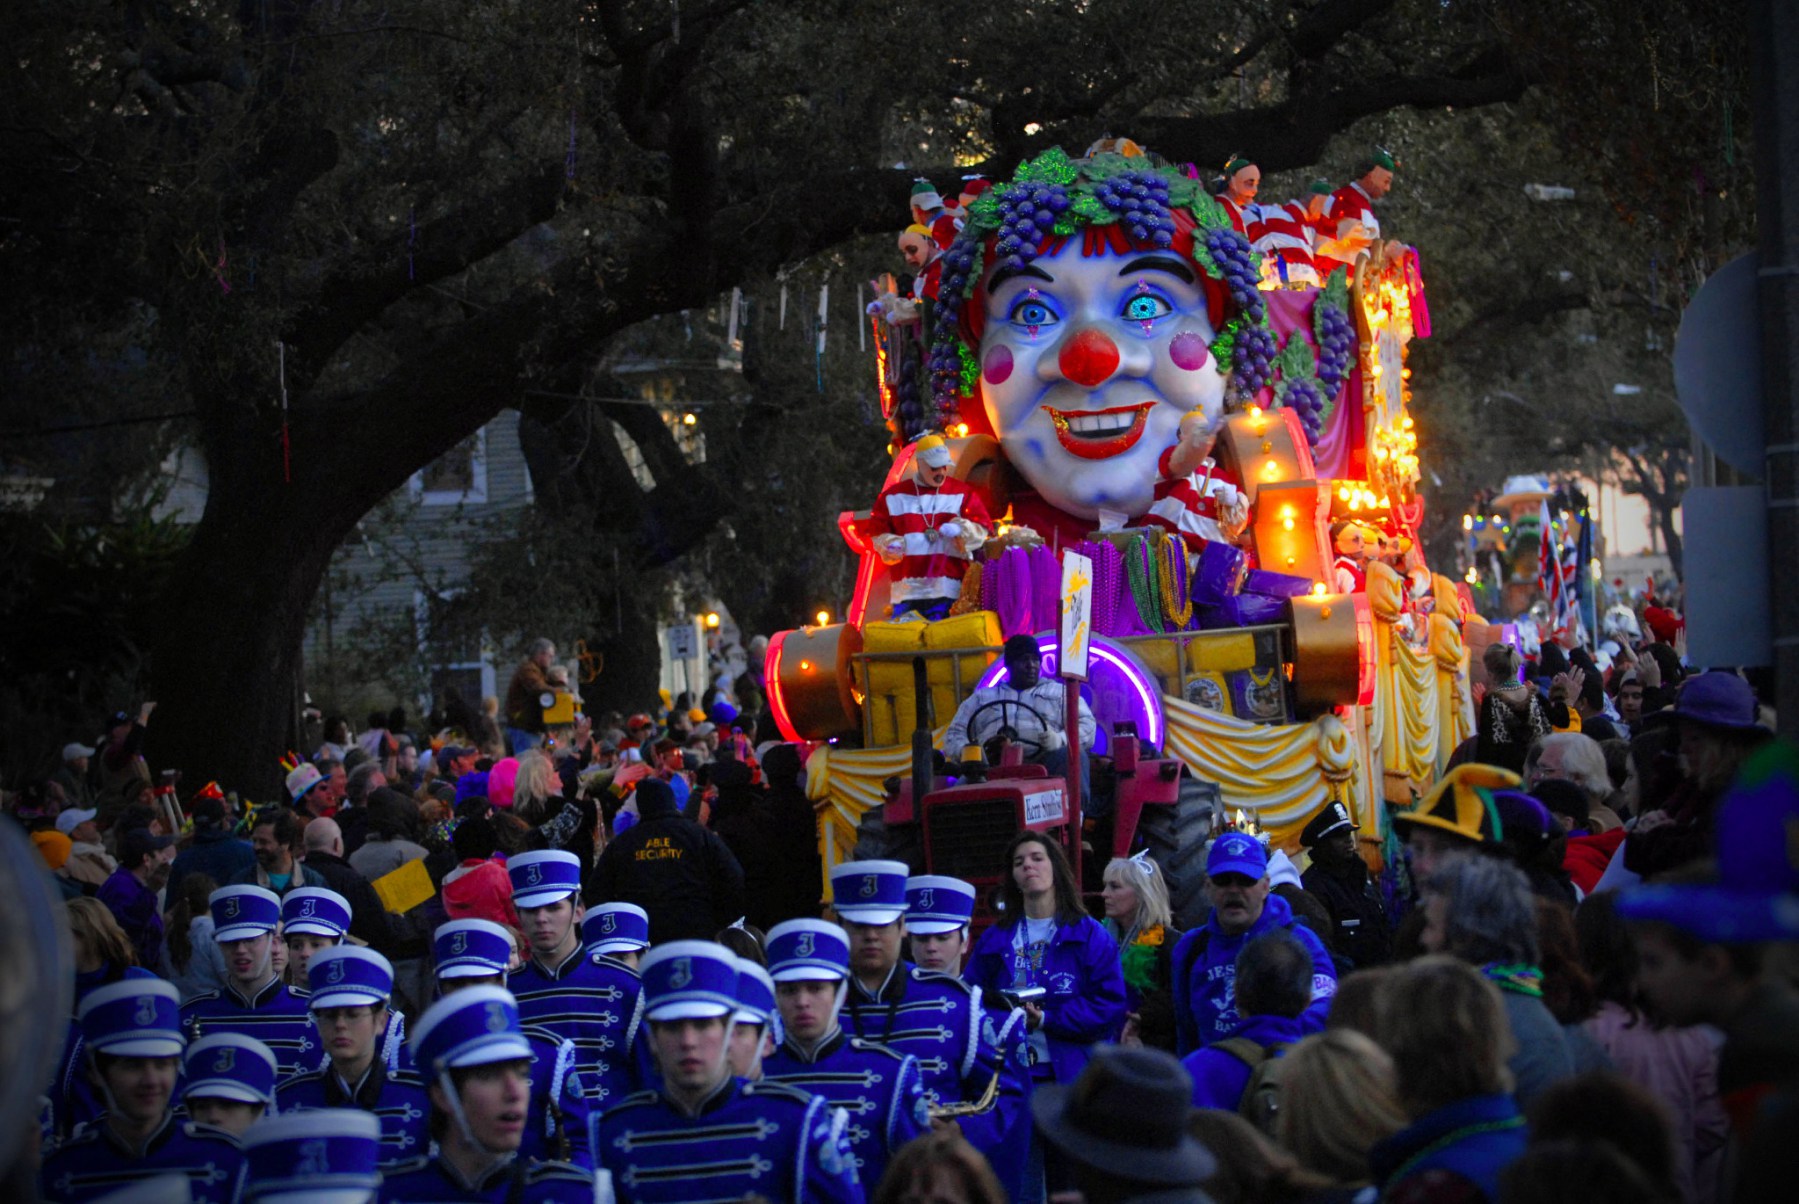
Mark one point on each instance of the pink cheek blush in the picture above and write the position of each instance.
(1188, 351)
(998, 366)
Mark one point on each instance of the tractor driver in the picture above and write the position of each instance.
(1028, 708)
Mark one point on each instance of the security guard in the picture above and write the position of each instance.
(939, 911)
(475, 953)
(706, 1134)
(230, 1082)
(132, 1035)
(351, 989)
(935, 1017)
(590, 998)
(471, 1047)
(619, 930)
(312, 918)
(1338, 878)
(310, 1157)
(878, 1089)
(254, 1000)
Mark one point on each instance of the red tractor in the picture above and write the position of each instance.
(962, 826)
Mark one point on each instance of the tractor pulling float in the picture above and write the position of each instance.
(1090, 315)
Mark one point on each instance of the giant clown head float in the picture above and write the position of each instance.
(1086, 307)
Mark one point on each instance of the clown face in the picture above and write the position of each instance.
(1088, 364)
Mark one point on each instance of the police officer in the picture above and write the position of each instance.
(621, 931)
(351, 989)
(705, 1124)
(131, 1032)
(935, 1017)
(254, 1000)
(312, 1157)
(939, 911)
(312, 918)
(879, 1089)
(589, 998)
(475, 953)
(1339, 879)
(472, 1049)
(230, 1082)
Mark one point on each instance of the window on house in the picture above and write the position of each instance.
(457, 476)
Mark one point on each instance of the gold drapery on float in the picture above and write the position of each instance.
(843, 783)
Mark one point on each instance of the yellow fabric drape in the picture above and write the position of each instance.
(845, 782)
(1282, 774)
(1455, 704)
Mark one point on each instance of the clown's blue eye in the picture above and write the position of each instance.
(1032, 313)
(1146, 307)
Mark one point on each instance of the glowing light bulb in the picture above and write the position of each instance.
(823, 617)
(961, 430)
(712, 619)
(805, 666)
(1467, 522)
(1318, 590)
(1287, 524)
(688, 419)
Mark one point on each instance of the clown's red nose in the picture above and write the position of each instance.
(1089, 358)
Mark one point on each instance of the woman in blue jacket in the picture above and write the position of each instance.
(1059, 960)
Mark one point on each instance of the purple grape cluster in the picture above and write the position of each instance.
(908, 408)
(1302, 397)
(1336, 347)
(1140, 199)
(1230, 251)
(1252, 359)
(1027, 216)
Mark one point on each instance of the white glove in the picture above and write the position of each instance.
(1052, 739)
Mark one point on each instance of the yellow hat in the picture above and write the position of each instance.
(932, 450)
(915, 228)
(53, 847)
(1462, 803)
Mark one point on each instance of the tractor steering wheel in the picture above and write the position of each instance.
(1033, 747)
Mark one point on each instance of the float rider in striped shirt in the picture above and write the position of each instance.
(927, 528)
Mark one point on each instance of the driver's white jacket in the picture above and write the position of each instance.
(1027, 712)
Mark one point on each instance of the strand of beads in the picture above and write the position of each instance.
(1142, 578)
(1176, 606)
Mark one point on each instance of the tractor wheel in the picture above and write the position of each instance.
(876, 842)
(1176, 838)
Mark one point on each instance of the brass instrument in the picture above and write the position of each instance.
(984, 1104)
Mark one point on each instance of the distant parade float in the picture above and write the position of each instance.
(1204, 396)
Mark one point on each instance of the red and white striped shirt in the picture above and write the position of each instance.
(1285, 235)
(930, 565)
(1193, 506)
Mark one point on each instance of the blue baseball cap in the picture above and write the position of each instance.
(133, 1018)
(870, 892)
(230, 1066)
(541, 878)
(616, 928)
(470, 1028)
(241, 912)
(315, 911)
(936, 904)
(1237, 853)
(755, 994)
(348, 975)
(689, 980)
(808, 951)
(319, 1156)
(471, 949)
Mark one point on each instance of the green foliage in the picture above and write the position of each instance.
(76, 603)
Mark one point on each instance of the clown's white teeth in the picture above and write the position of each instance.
(1101, 424)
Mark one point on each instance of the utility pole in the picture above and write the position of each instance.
(1774, 31)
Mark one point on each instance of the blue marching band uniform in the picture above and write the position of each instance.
(820, 1125)
(592, 999)
(557, 1122)
(137, 1018)
(348, 976)
(878, 1089)
(276, 1014)
(935, 1017)
(740, 1138)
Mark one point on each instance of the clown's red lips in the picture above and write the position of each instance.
(1100, 434)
